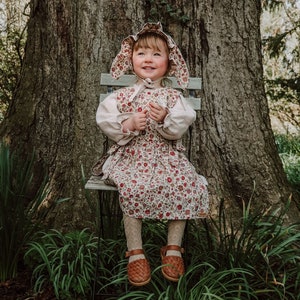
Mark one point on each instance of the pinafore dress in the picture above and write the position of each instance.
(154, 178)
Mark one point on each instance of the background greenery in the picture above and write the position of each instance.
(17, 212)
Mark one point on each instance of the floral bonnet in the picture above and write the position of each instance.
(123, 63)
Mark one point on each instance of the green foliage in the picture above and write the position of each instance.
(17, 212)
(67, 260)
(259, 260)
(291, 165)
(255, 258)
(281, 51)
(12, 44)
(272, 4)
(282, 88)
(266, 249)
(289, 152)
(164, 10)
(288, 144)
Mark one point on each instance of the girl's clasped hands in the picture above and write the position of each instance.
(138, 121)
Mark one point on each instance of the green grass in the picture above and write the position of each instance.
(289, 144)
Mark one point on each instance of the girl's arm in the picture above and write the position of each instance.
(110, 121)
(177, 121)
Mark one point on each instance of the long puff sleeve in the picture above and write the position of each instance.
(110, 119)
(177, 121)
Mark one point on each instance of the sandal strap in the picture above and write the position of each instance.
(171, 247)
(134, 252)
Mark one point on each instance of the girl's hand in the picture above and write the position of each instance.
(157, 112)
(136, 122)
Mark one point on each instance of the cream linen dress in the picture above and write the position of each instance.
(153, 176)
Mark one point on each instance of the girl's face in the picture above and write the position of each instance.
(150, 58)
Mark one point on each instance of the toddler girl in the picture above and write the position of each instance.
(146, 121)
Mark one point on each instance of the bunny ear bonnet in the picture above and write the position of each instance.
(123, 63)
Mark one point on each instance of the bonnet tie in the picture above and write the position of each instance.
(146, 83)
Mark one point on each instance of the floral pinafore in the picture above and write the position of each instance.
(154, 178)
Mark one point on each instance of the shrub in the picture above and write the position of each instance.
(264, 248)
(288, 144)
(289, 152)
(66, 260)
(259, 260)
(16, 210)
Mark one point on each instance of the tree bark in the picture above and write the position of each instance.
(241, 160)
(70, 43)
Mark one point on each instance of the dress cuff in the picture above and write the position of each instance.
(123, 117)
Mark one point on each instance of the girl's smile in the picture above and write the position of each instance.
(150, 63)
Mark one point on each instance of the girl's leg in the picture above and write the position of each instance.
(173, 265)
(138, 268)
(175, 235)
(133, 232)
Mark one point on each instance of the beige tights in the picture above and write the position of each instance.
(133, 232)
(175, 234)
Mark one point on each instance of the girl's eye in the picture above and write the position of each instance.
(140, 53)
(157, 54)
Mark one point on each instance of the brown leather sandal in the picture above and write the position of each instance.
(173, 266)
(139, 272)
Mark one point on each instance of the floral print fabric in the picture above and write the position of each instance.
(154, 178)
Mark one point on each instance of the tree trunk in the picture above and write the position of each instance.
(71, 42)
(238, 146)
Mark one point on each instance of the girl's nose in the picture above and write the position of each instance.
(148, 57)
